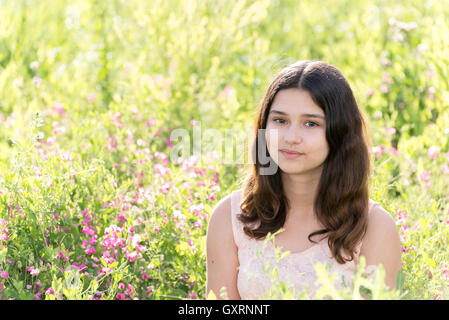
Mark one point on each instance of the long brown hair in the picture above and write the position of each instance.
(342, 197)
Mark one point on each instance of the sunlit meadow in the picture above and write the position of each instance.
(92, 205)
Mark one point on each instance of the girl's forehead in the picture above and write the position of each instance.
(294, 99)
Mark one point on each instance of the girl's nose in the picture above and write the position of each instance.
(292, 136)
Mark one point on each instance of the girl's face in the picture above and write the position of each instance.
(301, 127)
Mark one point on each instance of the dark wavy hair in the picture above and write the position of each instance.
(342, 198)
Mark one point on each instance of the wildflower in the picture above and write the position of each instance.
(120, 296)
(169, 143)
(129, 291)
(386, 77)
(34, 65)
(90, 97)
(90, 251)
(369, 92)
(121, 285)
(445, 169)
(150, 122)
(431, 93)
(58, 108)
(378, 151)
(4, 274)
(132, 256)
(37, 81)
(227, 91)
(198, 224)
(433, 152)
(193, 295)
(50, 291)
(67, 156)
(35, 272)
(425, 176)
(394, 151)
(93, 240)
(401, 217)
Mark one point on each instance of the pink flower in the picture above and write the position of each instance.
(50, 291)
(90, 250)
(384, 88)
(198, 224)
(445, 169)
(67, 156)
(144, 276)
(227, 91)
(378, 151)
(120, 296)
(58, 108)
(193, 122)
(90, 97)
(129, 290)
(369, 92)
(425, 176)
(35, 272)
(4, 274)
(192, 295)
(151, 122)
(391, 130)
(401, 217)
(433, 151)
(121, 285)
(394, 151)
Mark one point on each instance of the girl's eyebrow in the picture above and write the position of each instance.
(304, 115)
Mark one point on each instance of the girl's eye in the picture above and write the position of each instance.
(313, 123)
(278, 119)
(310, 126)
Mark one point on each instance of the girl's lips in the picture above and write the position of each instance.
(289, 155)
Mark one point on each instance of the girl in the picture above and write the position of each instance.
(314, 132)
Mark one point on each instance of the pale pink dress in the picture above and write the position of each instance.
(296, 268)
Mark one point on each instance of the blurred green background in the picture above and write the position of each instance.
(110, 80)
